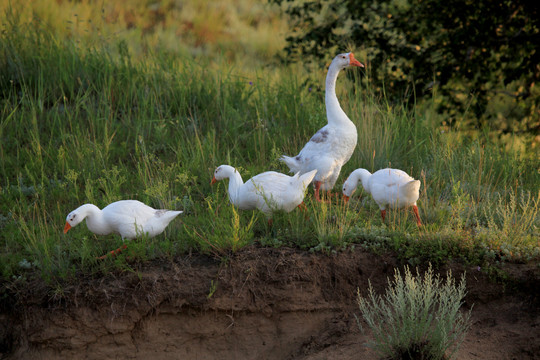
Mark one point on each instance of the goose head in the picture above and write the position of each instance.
(350, 185)
(73, 219)
(222, 172)
(345, 60)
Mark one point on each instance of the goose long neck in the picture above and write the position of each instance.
(94, 217)
(235, 182)
(333, 109)
(89, 210)
(364, 175)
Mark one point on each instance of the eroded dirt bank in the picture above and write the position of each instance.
(261, 303)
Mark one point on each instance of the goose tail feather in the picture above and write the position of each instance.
(411, 187)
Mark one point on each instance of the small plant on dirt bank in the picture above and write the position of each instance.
(224, 228)
(418, 318)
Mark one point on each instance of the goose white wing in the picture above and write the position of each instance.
(320, 144)
(124, 215)
(389, 177)
(270, 191)
(385, 187)
(130, 209)
(270, 183)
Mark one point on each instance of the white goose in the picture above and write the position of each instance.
(333, 145)
(392, 187)
(128, 218)
(268, 191)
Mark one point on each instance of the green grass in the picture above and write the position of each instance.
(246, 33)
(92, 122)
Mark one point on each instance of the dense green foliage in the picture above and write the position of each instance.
(481, 57)
(79, 124)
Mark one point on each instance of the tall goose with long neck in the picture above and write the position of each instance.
(268, 191)
(332, 146)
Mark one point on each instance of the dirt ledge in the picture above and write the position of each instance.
(267, 304)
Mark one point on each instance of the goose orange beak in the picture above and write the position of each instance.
(67, 227)
(353, 61)
(213, 181)
(346, 198)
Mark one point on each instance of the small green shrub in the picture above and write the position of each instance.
(223, 228)
(512, 227)
(417, 318)
(332, 223)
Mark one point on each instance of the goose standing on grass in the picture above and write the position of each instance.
(388, 187)
(333, 145)
(268, 191)
(128, 218)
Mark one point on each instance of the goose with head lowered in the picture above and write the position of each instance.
(128, 218)
(388, 187)
(268, 192)
(333, 145)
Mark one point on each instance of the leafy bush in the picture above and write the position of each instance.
(418, 318)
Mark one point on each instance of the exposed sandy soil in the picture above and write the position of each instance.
(268, 304)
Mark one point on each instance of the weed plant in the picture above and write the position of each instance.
(91, 122)
(417, 318)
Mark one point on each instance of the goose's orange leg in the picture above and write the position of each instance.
(383, 214)
(303, 207)
(113, 253)
(317, 188)
(318, 192)
(415, 210)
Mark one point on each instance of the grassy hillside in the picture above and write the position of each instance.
(124, 114)
(244, 34)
